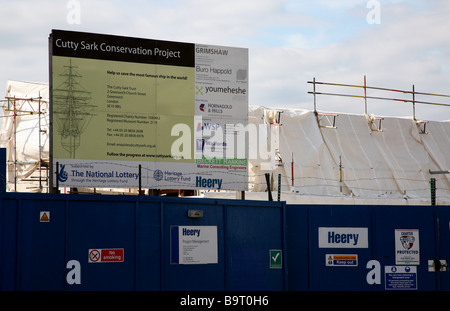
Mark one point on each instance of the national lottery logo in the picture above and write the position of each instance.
(158, 175)
(63, 175)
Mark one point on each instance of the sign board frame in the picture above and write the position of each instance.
(147, 113)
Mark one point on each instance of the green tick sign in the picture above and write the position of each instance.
(275, 258)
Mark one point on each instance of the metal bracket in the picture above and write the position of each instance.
(439, 265)
(374, 125)
(329, 120)
(422, 126)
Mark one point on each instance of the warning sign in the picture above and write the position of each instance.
(44, 216)
(341, 260)
(400, 277)
(106, 255)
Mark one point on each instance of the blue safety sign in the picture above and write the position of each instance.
(400, 277)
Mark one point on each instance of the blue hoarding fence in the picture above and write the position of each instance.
(88, 242)
(96, 242)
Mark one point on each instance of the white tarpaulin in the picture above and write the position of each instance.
(355, 162)
(24, 132)
(353, 159)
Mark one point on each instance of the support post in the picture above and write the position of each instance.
(414, 103)
(340, 174)
(140, 181)
(314, 93)
(292, 169)
(433, 191)
(57, 178)
(279, 187)
(269, 191)
(240, 195)
(3, 170)
(365, 96)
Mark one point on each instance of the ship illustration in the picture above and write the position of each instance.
(72, 110)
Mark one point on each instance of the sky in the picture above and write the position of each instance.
(394, 43)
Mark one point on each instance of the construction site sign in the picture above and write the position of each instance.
(129, 111)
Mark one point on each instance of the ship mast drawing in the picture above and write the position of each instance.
(71, 109)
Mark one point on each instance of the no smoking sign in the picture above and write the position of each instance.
(106, 255)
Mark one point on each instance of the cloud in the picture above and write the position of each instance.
(289, 42)
(406, 48)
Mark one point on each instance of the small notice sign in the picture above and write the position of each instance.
(400, 277)
(44, 216)
(106, 255)
(341, 260)
(275, 259)
(193, 245)
(407, 247)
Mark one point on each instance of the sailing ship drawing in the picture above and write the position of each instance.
(72, 110)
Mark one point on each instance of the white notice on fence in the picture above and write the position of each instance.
(407, 248)
(193, 245)
(340, 237)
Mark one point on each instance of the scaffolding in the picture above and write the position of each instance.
(34, 104)
(30, 110)
(375, 122)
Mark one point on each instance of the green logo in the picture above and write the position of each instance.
(199, 90)
(275, 258)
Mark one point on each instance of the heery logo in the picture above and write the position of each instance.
(201, 182)
(343, 237)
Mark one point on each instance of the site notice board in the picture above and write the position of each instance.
(173, 109)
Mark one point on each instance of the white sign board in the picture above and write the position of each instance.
(333, 237)
(407, 249)
(193, 245)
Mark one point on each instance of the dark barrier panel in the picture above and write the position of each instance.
(362, 248)
(84, 242)
(443, 247)
(345, 232)
(406, 237)
(256, 261)
(87, 242)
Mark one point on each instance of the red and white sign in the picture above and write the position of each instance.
(106, 255)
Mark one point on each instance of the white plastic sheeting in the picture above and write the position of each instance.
(352, 163)
(24, 119)
(358, 161)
